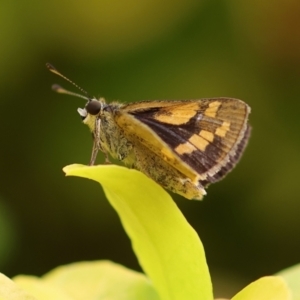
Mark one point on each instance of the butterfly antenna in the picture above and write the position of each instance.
(57, 88)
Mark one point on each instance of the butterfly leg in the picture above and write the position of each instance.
(97, 145)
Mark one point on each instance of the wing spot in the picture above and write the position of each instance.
(212, 109)
(185, 148)
(223, 129)
(178, 115)
(209, 136)
(199, 142)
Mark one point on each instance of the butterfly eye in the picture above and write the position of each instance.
(93, 107)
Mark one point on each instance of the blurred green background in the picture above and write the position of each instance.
(142, 50)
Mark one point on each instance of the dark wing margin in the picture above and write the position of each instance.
(233, 160)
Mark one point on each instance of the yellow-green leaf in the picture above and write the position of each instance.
(168, 249)
(89, 280)
(292, 278)
(11, 291)
(265, 288)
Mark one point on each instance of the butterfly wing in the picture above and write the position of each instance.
(203, 139)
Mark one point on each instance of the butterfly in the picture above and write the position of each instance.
(183, 145)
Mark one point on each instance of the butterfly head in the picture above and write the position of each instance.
(93, 106)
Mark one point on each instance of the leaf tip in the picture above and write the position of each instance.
(73, 169)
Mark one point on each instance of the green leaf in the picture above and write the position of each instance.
(292, 278)
(265, 288)
(167, 247)
(89, 280)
